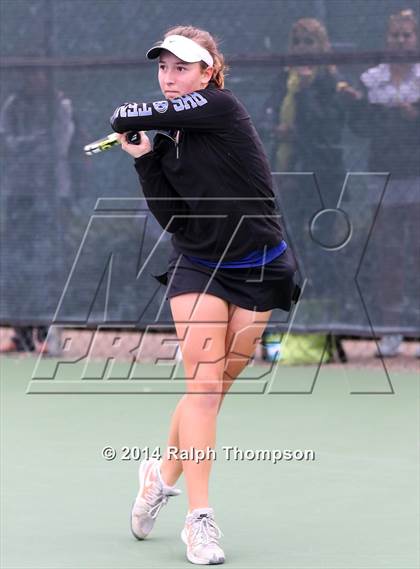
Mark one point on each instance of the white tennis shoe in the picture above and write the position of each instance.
(201, 534)
(153, 495)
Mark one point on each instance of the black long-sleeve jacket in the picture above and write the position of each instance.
(207, 180)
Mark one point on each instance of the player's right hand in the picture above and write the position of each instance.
(136, 150)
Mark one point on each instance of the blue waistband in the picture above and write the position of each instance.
(254, 259)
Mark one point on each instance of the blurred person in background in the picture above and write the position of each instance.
(389, 116)
(36, 130)
(304, 120)
(306, 113)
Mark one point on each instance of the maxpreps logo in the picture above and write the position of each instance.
(161, 106)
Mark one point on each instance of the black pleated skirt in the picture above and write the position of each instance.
(255, 288)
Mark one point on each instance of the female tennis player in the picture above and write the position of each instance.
(207, 181)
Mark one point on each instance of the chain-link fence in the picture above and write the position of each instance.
(341, 131)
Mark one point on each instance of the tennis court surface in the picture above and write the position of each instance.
(355, 505)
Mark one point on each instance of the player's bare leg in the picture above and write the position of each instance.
(244, 332)
(171, 469)
(201, 323)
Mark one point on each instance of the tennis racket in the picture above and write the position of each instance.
(109, 142)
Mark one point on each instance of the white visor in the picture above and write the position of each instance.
(186, 49)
